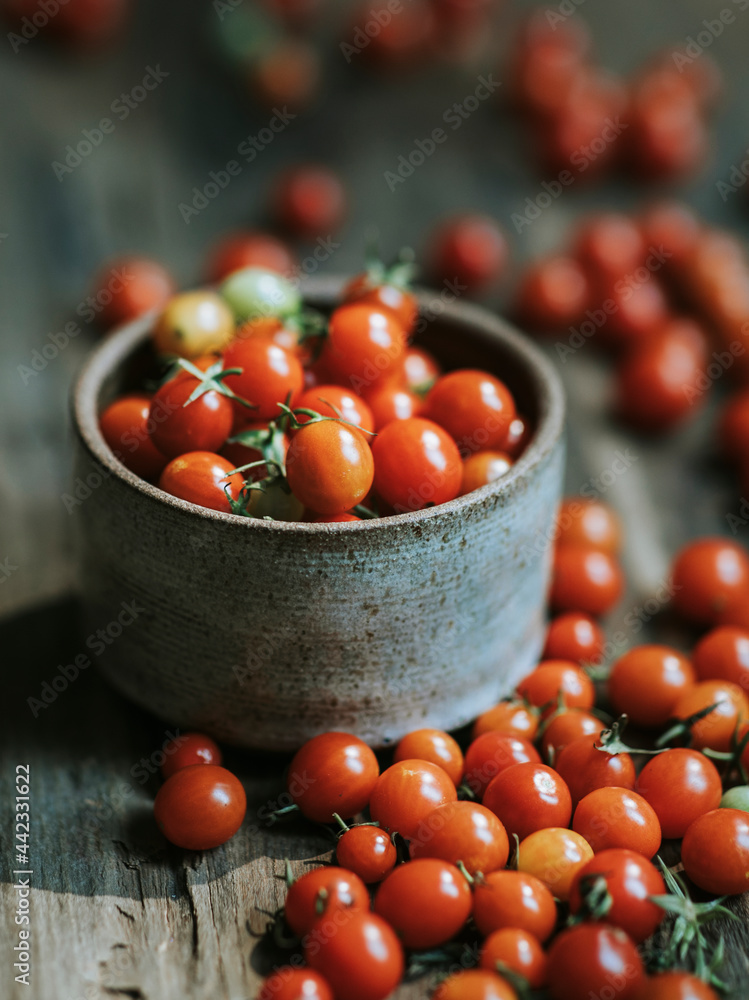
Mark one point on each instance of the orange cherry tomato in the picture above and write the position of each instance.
(366, 851)
(435, 746)
(529, 797)
(389, 402)
(327, 399)
(707, 574)
(511, 717)
(491, 753)
(248, 248)
(270, 375)
(517, 950)
(474, 984)
(554, 855)
(715, 851)
(188, 749)
(200, 807)
(179, 426)
(723, 655)
(647, 682)
(416, 464)
(590, 523)
(309, 201)
(329, 466)
(617, 817)
(514, 899)
(715, 730)
(482, 468)
(128, 287)
(680, 785)
(426, 902)
(202, 478)
(125, 427)
(474, 407)
(364, 345)
(574, 636)
(290, 983)
(463, 832)
(553, 294)
(360, 957)
(405, 794)
(555, 679)
(332, 773)
(675, 985)
(585, 767)
(385, 295)
(586, 580)
(469, 249)
(323, 890)
(564, 729)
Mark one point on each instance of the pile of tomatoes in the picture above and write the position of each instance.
(273, 411)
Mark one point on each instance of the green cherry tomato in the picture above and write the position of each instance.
(256, 291)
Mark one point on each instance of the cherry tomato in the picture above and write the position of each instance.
(528, 797)
(270, 375)
(289, 983)
(242, 454)
(574, 636)
(384, 295)
(360, 957)
(416, 464)
(723, 655)
(124, 426)
(326, 399)
(366, 851)
(675, 985)
(332, 773)
(585, 767)
(470, 249)
(426, 902)
(518, 951)
(707, 574)
(200, 807)
(715, 730)
(407, 792)
(129, 287)
(179, 426)
(482, 468)
(564, 729)
(680, 785)
(248, 249)
(309, 201)
(610, 245)
(389, 402)
(519, 434)
(286, 72)
(201, 477)
(364, 344)
(323, 890)
(554, 855)
(435, 746)
(590, 523)
(591, 959)
(474, 984)
(547, 63)
(465, 832)
(511, 717)
(647, 682)
(673, 226)
(402, 41)
(586, 580)
(474, 407)
(193, 324)
(493, 752)
(630, 882)
(553, 679)
(419, 370)
(715, 851)
(735, 612)
(188, 749)
(636, 312)
(617, 817)
(329, 466)
(514, 899)
(553, 294)
(315, 518)
(733, 429)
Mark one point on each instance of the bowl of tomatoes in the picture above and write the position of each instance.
(344, 549)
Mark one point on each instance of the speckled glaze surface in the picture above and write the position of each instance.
(266, 633)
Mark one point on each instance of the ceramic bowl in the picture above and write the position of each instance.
(265, 633)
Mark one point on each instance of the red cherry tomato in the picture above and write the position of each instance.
(715, 851)
(564, 729)
(435, 746)
(714, 731)
(680, 785)
(637, 310)
(585, 767)
(723, 655)
(202, 478)
(416, 464)
(517, 950)
(124, 426)
(286, 71)
(309, 201)
(426, 902)
(200, 807)
(586, 580)
(590, 959)
(366, 851)
(518, 436)
(327, 399)
(617, 817)
(528, 797)
(178, 426)
(323, 890)
(270, 375)
(482, 468)
(553, 294)
(406, 793)
(465, 832)
(672, 226)
(574, 636)
(360, 957)
(332, 773)
(470, 249)
(389, 402)
(242, 249)
(707, 574)
(385, 295)
(364, 344)
(493, 752)
(329, 466)
(514, 899)
(474, 984)
(474, 407)
(554, 855)
(555, 679)
(630, 882)
(289, 983)
(610, 246)
(647, 682)
(129, 287)
(676, 985)
(736, 612)
(510, 717)
(590, 523)
(188, 749)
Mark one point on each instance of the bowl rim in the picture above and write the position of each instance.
(120, 344)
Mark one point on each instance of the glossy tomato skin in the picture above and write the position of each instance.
(529, 797)
(474, 984)
(518, 951)
(416, 464)
(676, 985)
(474, 407)
(463, 832)
(125, 425)
(332, 773)
(493, 752)
(707, 574)
(554, 855)
(188, 749)
(519, 434)
(511, 717)
(564, 729)
(384, 296)
(715, 851)
(514, 899)
(586, 580)
(366, 851)
(590, 958)
(193, 324)
(435, 746)
(406, 793)
(723, 654)
(389, 402)
(200, 807)
(309, 201)
(680, 784)
(735, 612)
(360, 957)
(270, 375)
(630, 880)
(326, 399)
(238, 250)
(426, 902)
(584, 767)
(715, 730)
(617, 817)
(178, 426)
(482, 468)
(289, 983)
(418, 371)
(130, 287)
(364, 345)
(590, 523)
(553, 679)
(200, 477)
(329, 467)
(647, 682)
(574, 636)
(323, 890)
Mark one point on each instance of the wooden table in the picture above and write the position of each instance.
(114, 910)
